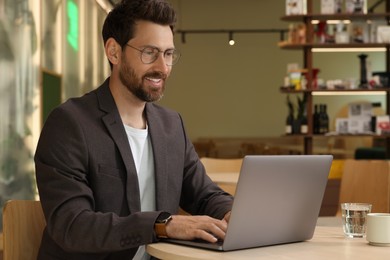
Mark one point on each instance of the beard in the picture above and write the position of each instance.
(135, 85)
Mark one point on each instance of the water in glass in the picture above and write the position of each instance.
(354, 220)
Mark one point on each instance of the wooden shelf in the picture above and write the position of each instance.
(344, 16)
(336, 135)
(293, 91)
(290, 46)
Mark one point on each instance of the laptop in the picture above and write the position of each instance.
(277, 201)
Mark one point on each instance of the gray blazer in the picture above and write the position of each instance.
(88, 183)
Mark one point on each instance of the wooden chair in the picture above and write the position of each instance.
(366, 181)
(218, 165)
(205, 148)
(259, 149)
(23, 224)
(330, 201)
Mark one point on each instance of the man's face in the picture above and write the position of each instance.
(146, 81)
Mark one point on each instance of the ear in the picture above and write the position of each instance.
(112, 50)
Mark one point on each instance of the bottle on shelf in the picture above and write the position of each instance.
(363, 71)
(316, 119)
(289, 124)
(304, 127)
(302, 115)
(323, 120)
(326, 120)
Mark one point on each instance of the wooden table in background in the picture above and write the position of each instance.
(224, 177)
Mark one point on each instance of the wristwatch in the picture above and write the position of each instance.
(160, 224)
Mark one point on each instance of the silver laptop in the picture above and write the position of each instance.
(277, 201)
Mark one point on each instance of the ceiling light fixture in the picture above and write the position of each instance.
(230, 33)
(231, 40)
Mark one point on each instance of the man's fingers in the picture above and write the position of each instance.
(193, 227)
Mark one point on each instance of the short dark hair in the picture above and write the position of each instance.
(119, 23)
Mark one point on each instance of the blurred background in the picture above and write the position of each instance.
(228, 95)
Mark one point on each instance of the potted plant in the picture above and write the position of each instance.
(290, 117)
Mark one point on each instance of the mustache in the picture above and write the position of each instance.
(156, 74)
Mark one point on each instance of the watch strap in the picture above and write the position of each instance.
(160, 230)
(160, 224)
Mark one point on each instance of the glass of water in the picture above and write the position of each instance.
(354, 217)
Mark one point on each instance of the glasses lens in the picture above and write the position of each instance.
(171, 57)
(149, 55)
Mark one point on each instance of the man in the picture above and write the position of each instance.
(112, 166)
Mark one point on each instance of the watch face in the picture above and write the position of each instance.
(163, 217)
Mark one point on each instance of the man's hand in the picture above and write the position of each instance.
(196, 227)
(227, 216)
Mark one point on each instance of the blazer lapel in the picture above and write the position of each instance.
(115, 127)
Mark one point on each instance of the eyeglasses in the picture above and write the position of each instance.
(150, 55)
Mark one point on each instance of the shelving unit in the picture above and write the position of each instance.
(332, 45)
(308, 59)
(311, 16)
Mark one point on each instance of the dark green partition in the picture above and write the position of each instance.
(51, 92)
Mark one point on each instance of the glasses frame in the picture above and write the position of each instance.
(142, 51)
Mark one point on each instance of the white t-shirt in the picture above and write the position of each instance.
(141, 148)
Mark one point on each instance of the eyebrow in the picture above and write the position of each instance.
(152, 46)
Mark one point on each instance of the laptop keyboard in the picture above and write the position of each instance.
(201, 241)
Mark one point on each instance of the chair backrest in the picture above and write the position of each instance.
(218, 165)
(23, 224)
(253, 148)
(205, 148)
(366, 181)
(215, 165)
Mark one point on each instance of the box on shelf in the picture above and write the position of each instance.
(358, 110)
(331, 6)
(382, 124)
(360, 32)
(353, 125)
(383, 34)
(297, 33)
(373, 30)
(358, 121)
(356, 6)
(342, 125)
(296, 7)
(359, 125)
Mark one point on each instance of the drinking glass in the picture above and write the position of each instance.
(354, 217)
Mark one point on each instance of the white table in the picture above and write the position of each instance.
(328, 242)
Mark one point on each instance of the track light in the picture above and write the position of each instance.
(183, 38)
(230, 32)
(231, 41)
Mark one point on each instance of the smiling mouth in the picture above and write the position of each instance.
(155, 76)
(154, 80)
